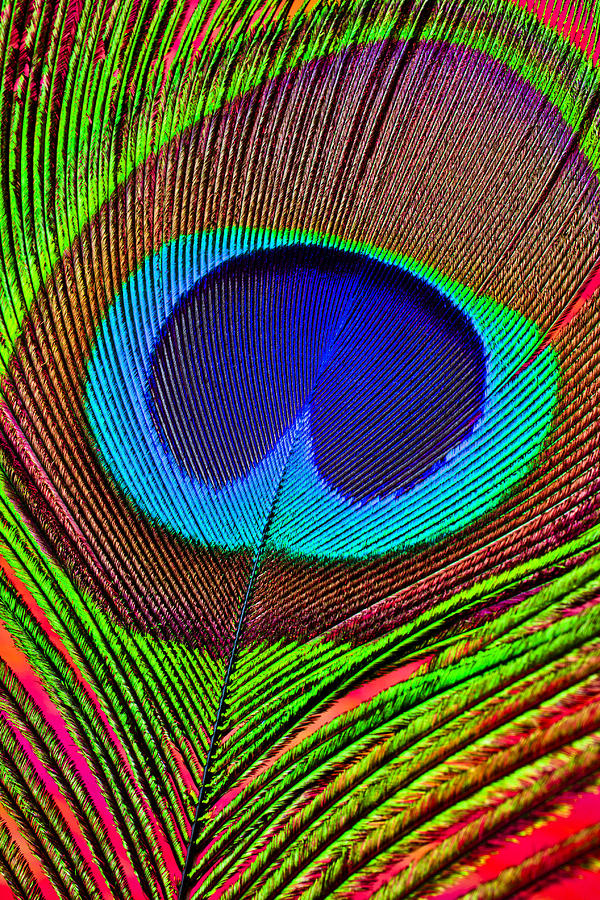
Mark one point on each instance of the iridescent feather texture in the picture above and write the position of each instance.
(299, 450)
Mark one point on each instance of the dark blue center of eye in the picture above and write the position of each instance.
(391, 373)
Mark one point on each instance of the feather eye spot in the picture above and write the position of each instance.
(390, 374)
(370, 390)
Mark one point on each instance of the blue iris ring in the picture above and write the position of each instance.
(377, 406)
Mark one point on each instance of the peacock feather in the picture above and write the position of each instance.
(299, 450)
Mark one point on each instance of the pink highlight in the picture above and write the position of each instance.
(54, 792)
(5, 891)
(12, 655)
(38, 613)
(575, 26)
(346, 704)
(357, 697)
(22, 668)
(42, 881)
(189, 10)
(197, 42)
(205, 850)
(229, 882)
(169, 749)
(590, 286)
(570, 886)
(583, 813)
